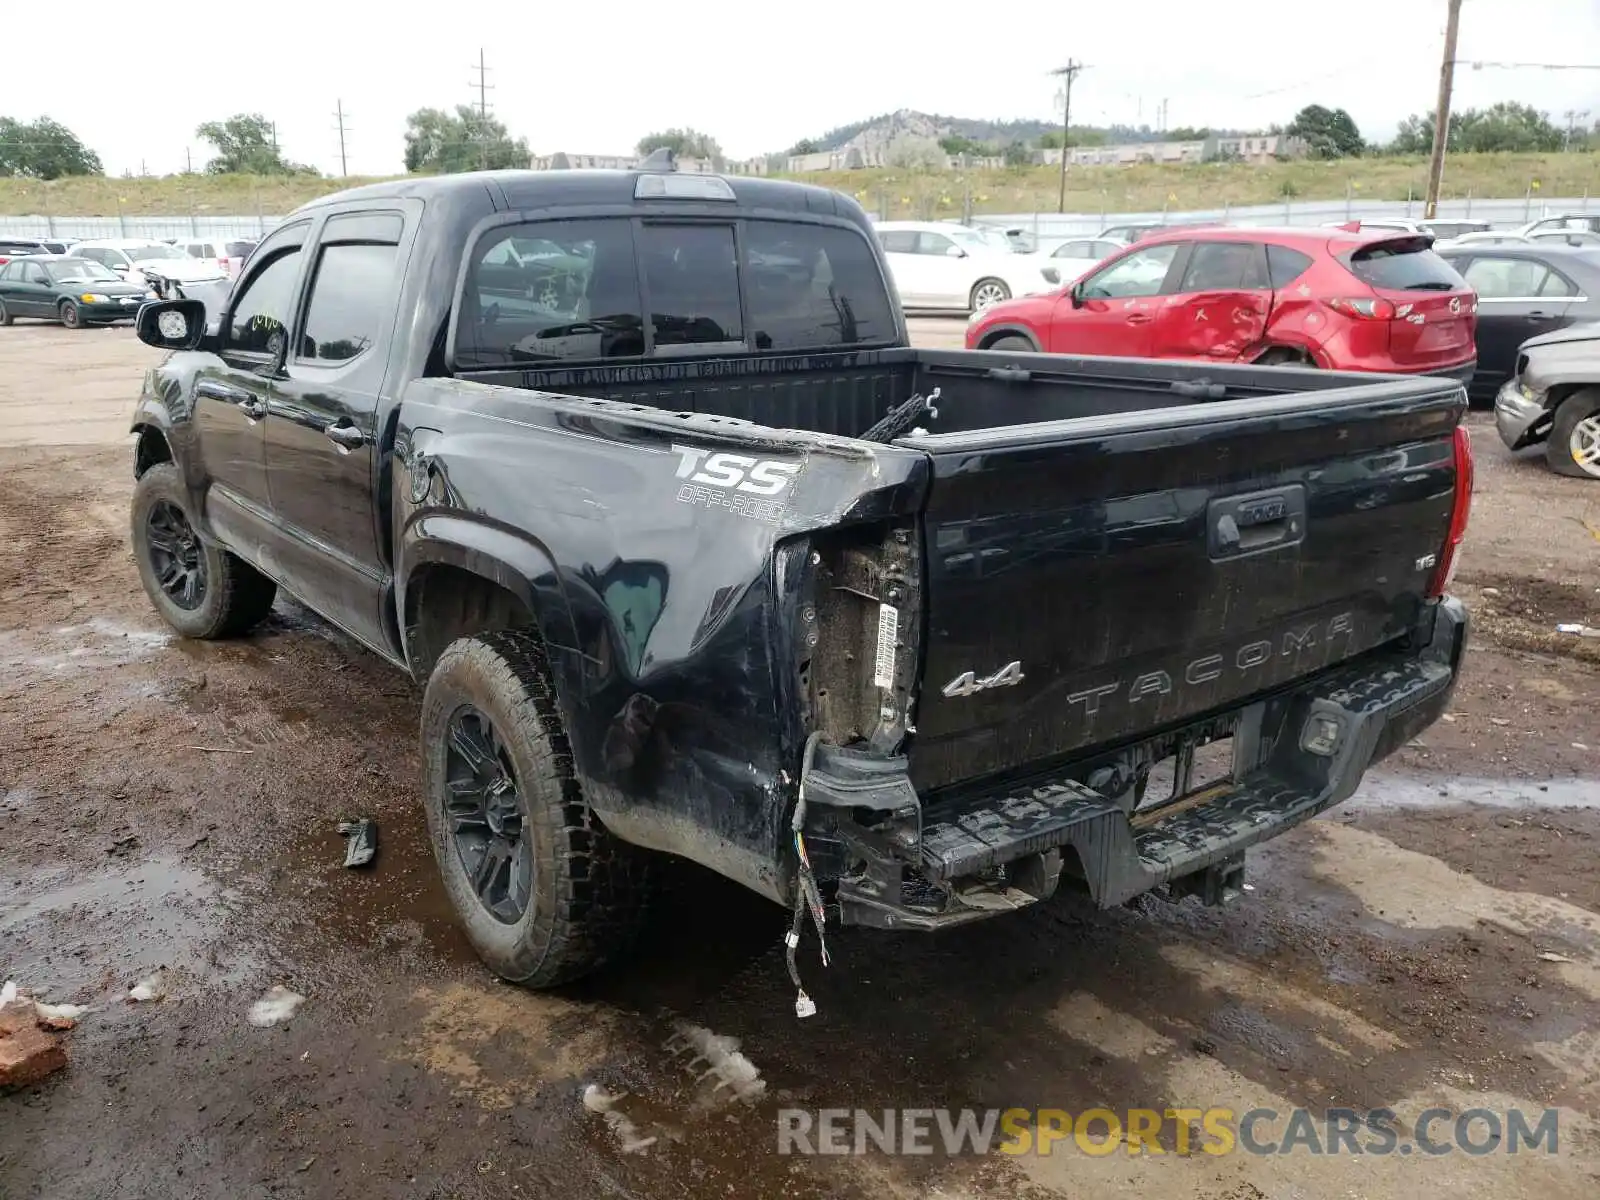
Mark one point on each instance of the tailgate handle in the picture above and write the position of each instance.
(1248, 524)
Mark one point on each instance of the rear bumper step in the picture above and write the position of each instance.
(1004, 852)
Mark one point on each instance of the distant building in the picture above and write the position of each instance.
(561, 161)
(1256, 148)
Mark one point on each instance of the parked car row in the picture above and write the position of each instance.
(92, 282)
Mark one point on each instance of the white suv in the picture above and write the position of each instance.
(227, 253)
(937, 264)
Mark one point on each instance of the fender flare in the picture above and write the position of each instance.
(522, 566)
(996, 332)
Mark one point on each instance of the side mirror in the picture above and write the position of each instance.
(955, 252)
(1076, 295)
(171, 324)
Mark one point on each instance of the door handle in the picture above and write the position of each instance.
(346, 437)
(216, 390)
(1138, 318)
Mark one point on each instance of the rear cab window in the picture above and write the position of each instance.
(1404, 265)
(621, 287)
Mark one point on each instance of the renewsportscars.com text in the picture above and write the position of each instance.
(1215, 1131)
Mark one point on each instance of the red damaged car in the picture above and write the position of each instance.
(1332, 298)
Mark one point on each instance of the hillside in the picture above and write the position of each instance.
(896, 193)
(998, 134)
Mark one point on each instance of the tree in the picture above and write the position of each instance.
(805, 146)
(685, 143)
(440, 143)
(247, 144)
(1327, 132)
(1187, 133)
(1016, 155)
(44, 149)
(1504, 126)
(912, 153)
(954, 144)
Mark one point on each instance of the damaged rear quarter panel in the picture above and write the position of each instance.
(675, 546)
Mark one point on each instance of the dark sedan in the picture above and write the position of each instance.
(74, 291)
(1523, 291)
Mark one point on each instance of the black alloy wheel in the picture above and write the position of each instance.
(487, 816)
(176, 556)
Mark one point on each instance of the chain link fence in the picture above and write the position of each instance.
(1045, 228)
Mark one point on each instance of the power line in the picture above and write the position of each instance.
(338, 115)
(1068, 73)
(484, 88)
(1441, 112)
(1479, 64)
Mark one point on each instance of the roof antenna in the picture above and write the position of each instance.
(661, 158)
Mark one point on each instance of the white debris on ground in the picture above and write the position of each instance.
(629, 1139)
(59, 1016)
(152, 987)
(8, 993)
(278, 1006)
(730, 1075)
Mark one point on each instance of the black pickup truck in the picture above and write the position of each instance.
(637, 473)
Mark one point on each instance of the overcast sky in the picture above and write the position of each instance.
(594, 78)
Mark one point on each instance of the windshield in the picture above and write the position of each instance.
(79, 268)
(146, 253)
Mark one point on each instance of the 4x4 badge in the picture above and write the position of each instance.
(968, 683)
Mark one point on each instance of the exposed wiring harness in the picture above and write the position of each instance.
(807, 896)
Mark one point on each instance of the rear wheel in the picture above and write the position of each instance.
(1284, 357)
(199, 589)
(1013, 342)
(71, 315)
(544, 892)
(1573, 447)
(986, 292)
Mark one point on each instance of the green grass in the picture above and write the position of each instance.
(901, 194)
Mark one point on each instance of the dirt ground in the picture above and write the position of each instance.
(172, 806)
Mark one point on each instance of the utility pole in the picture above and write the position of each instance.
(483, 109)
(1441, 111)
(1161, 126)
(1068, 73)
(188, 162)
(338, 115)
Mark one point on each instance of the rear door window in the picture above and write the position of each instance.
(812, 286)
(1224, 267)
(1404, 265)
(899, 241)
(691, 276)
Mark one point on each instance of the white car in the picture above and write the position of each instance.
(1072, 259)
(228, 253)
(139, 262)
(938, 265)
(1562, 223)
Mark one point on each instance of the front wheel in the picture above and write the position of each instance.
(986, 292)
(71, 315)
(5, 314)
(1573, 447)
(199, 589)
(544, 892)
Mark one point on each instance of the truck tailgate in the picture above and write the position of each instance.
(1095, 579)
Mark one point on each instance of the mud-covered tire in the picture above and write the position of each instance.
(589, 892)
(5, 314)
(71, 315)
(236, 596)
(1574, 430)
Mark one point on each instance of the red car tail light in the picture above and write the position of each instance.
(1366, 308)
(1444, 570)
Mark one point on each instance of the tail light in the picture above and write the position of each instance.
(4, 260)
(1366, 308)
(1444, 570)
